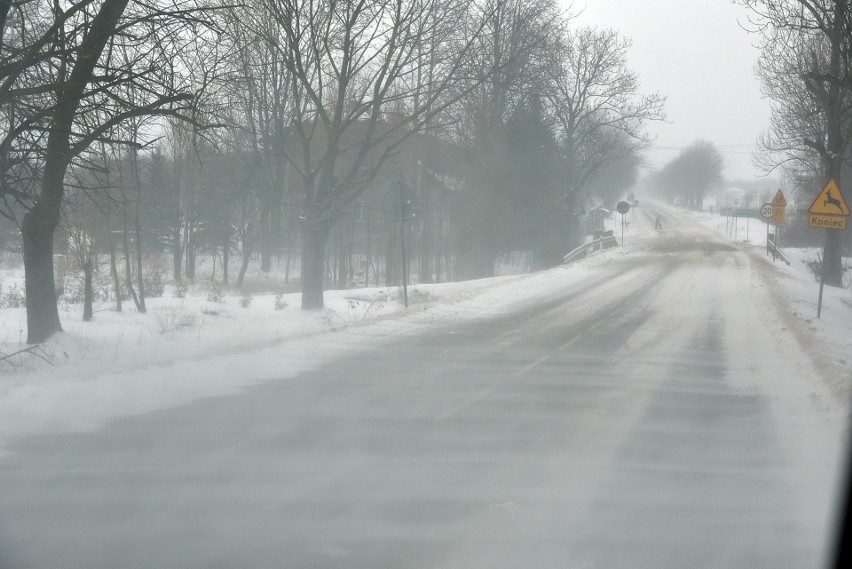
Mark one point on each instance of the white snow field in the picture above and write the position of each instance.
(671, 403)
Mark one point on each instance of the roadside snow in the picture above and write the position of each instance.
(129, 363)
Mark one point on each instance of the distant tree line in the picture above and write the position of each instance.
(690, 176)
(273, 128)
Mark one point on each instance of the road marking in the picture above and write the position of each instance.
(471, 400)
(464, 404)
(525, 369)
(570, 342)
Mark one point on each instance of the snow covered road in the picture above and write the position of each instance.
(653, 416)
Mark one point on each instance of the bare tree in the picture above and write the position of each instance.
(262, 92)
(81, 229)
(796, 115)
(352, 65)
(64, 86)
(806, 70)
(574, 86)
(110, 209)
(514, 45)
(596, 100)
(695, 171)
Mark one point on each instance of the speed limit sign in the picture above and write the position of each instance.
(766, 210)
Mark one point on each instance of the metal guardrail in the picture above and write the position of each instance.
(775, 251)
(594, 245)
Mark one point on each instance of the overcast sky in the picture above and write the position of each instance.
(696, 54)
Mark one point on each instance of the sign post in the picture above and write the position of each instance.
(828, 211)
(736, 223)
(766, 214)
(622, 207)
(779, 211)
(400, 205)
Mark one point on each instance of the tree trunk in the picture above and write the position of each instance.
(113, 269)
(833, 261)
(177, 253)
(42, 313)
(289, 253)
(244, 266)
(189, 220)
(834, 258)
(314, 237)
(276, 213)
(140, 275)
(128, 276)
(177, 243)
(276, 223)
(225, 250)
(342, 258)
(265, 245)
(88, 268)
(368, 246)
(391, 257)
(190, 261)
(189, 246)
(265, 233)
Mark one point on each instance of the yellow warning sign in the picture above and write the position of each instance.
(826, 221)
(778, 208)
(829, 202)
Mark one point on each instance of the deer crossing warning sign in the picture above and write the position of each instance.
(829, 210)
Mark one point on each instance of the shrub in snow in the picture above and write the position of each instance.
(815, 265)
(171, 320)
(179, 291)
(104, 287)
(330, 318)
(154, 286)
(417, 296)
(72, 291)
(13, 297)
(215, 293)
(280, 303)
(357, 310)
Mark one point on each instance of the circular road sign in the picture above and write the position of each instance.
(622, 207)
(766, 210)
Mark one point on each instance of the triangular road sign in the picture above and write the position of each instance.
(779, 200)
(830, 201)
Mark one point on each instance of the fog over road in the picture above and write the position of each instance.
(646, 418)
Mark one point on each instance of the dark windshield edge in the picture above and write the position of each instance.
(842, 550)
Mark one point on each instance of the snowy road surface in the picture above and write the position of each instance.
(654, 416)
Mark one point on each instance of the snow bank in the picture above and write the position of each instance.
(129, 363)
